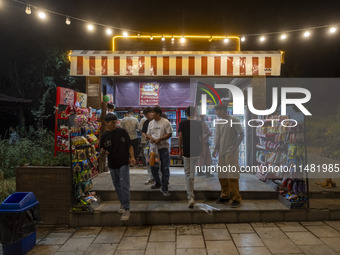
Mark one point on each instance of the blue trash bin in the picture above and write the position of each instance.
(19, 216)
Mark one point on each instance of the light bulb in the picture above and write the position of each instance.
(90, 27)
(42, 15)
(28, 10)
(172, 39)
(226, 40)
(68, 21)
(283, 36)
(163, 38)
(306, 34)
(182, 40)
(108, 31)
(243, 38)
(151, 38)
(262, 38)
(125, 34)
(332, 30)
(138, 36)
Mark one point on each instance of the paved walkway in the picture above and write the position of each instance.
(255, 238)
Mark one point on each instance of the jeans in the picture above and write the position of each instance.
(121, 181)
(164, 157)
(189, 170)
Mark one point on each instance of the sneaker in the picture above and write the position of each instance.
(121, 210)
(156, 186)
(125, 216)
(166, 193)
(222, 200)
(235, 204)
(191, 203)
(150, 181)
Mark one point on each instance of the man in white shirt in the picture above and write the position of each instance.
(159, 132)
(131, 125)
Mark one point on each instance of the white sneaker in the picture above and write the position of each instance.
(121, 210)
(150, 181)
(125, 216)
(191, 203)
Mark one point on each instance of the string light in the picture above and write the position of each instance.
(138, 36)
(90, 27)
(28, 10)
(182, 39)
(41, 15)
(226, 40)
(125, 34)
(108, 31)
(151, 38)
(332, 30)
(172, 39)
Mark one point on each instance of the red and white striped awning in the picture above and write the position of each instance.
(175, 63)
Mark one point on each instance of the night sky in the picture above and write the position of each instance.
(317, 56)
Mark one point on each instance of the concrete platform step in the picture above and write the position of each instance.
(177, 212)
(175, 195)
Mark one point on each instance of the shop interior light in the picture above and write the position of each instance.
(226, 40)
(108, 31)
(151, 38)
(125, 34)
(332, 30)
(306, 34)
(283, 36)
(28, 10)
(243, 39)
(182, 39)
(90, 27)
(41, 15)
(262, 38)
(68, 21)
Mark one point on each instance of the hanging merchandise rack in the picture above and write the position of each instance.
(284, 147)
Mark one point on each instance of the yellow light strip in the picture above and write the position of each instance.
(209, 37)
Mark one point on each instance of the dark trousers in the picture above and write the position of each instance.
(134, 144)
(164, 157)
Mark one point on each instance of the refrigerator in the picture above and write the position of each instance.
(173, 118)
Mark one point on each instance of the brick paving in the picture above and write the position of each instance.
(316, 237)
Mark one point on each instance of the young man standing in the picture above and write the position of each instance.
(227, 141)
(131, 125)
(159, 132)
(115, 142)
(144, 129)
(190, 133)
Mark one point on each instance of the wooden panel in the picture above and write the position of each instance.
(93, 91)
(259, 92)
(53, 189)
